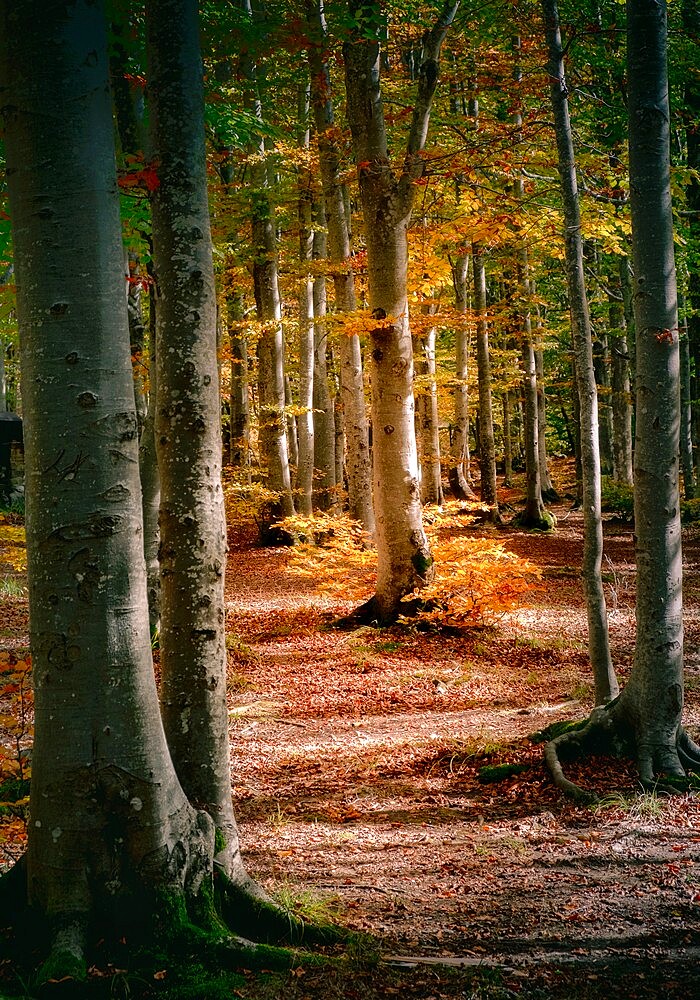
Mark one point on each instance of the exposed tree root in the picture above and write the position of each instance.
(573, 743)
(246, 909)
(662, 767)
(367, 614)
(370, 614)
(234, 925)
(461, 490)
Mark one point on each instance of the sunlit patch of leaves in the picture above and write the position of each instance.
(13, 549)
(477, 579)
(16, 732)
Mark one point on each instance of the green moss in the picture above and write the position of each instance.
(421, 563)
(62, 965)
(545, 522)
(220, 987)
(497, 772)
(219, 841)
(556, 729)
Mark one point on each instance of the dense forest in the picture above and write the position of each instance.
(366, 286)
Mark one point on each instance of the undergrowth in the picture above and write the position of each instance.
(477, 579)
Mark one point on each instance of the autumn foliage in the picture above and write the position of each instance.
(477, 578)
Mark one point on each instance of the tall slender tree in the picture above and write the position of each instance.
(405, 561)
(188, 434)
(606, 686)
(352, 391)
(646, 717)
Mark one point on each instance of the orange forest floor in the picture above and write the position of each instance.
(356, 759)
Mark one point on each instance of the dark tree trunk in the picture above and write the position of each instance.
(652, 700)
(105, 798)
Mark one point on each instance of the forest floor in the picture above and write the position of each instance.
(356, 759)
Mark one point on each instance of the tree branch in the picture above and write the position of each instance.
(427, 83)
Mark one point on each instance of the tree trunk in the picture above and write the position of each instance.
(325, 493)
(652, 700)
(428, 421)
(239, 401)
(606, 686)
(272, 436)
(487, 458)
(686, 415)
(150, 483)
(549, 494)
(690, 12)
(507, 442)
(188, 434)
(601, 364)
(647, 713)
(534, 515)
(305, 418)
(352, 391)
(620, 386)
(105, 798)
(404, 558)
(459, 448)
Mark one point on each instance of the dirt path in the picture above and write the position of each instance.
(356, 760)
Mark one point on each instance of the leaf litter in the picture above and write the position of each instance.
(357, 766)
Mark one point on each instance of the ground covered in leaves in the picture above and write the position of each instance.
(363, 765)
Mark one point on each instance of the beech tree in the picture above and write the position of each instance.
(606, 686)
(404, 558)
(115, 845)
(358, 461)
(188, 433)
(646, 717)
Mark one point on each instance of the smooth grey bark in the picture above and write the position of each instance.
(601, 365)
(534, 514)
(272, 437)
(459, 446)
(487, 457)
(507, 441)
(620, 383)
(305, 417)
(606, 686)
(549, 494)
(188, 433)
(686, 416)
(291, 426)
(652, 700)
(427, 420)
(404, 558)
(325, 493)
(647, 714)
(352, 391)
(690, 13)
(111, 826)
(239, 388)
(150, 483)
